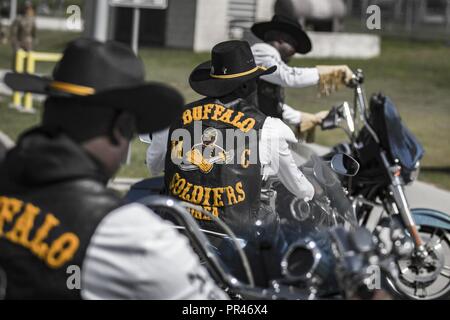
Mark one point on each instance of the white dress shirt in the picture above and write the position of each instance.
(285, 76)
(274, 153)
(134, 254)
(156, 154)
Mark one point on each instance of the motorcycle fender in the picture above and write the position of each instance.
(431, 218)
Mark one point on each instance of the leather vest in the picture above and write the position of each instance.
(45, 229)
(270, 99)
(214, 161)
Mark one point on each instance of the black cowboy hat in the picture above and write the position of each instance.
(232, 64)
(285, 25)
(105, 75)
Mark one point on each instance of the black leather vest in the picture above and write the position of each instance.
(270, 99)
(219, 168)
(71, 212)
(45, 228)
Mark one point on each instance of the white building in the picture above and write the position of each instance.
(200, 24)
(193, 24)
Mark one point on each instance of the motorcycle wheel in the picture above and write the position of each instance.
(427, 279)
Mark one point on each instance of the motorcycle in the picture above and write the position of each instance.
(389, 156)
(310, 250)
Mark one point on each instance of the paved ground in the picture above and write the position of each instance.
(424, 195)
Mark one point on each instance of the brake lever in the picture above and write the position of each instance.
(331, 120)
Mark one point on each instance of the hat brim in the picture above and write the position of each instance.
(201, 81)
(155, 105)
(303, 41)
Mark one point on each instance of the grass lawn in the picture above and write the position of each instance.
(415, 75)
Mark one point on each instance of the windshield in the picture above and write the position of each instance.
(330, 206)
(330, 198)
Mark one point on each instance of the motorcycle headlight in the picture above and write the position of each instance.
(415, 173)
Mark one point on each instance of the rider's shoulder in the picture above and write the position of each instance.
(264, 49)
(280, 129)
(134, 216)
(199, 102)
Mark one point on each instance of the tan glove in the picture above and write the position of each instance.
(332, 77)
(308, 136)
(309, 120)
(321, 115)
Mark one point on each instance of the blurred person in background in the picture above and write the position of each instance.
(283, 37)
(23, 29)
(3, 34)
(56, 214)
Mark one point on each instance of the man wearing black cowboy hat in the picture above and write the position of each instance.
(60, 227)
(225, 176)
(283, 37)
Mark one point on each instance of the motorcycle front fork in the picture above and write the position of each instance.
(396, 203)
(397, 192)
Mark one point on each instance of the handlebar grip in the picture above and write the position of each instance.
(357, 79)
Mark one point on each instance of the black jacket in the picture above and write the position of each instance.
(270, 99)
(52, 197)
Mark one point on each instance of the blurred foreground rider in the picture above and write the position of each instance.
(56, 214)
(222, 147)
(283, 37)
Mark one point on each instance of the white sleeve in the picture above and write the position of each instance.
(276, 158)
(290, 115)
(293, 77)
(285, 76)
(156, 152)
(134, 254)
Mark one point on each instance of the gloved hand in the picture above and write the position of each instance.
(309, 120)
(332, 77)
(321, 115)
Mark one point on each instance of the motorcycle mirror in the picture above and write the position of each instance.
(344, 165)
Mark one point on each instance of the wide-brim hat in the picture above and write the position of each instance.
(231, 65)
(286, 25)
(106, 75)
